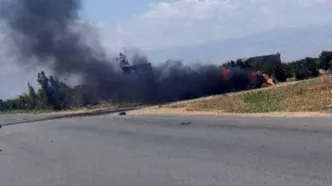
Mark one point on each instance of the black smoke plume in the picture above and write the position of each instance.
(41, 29)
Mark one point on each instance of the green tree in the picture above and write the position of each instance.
(288, 70)
(41, 99)
(2, 105)
(54, 96)
(310, 64)
(324, 60)
(44, 92)
(61, 94)
(32, 100)
(240, 64)
(280, 74)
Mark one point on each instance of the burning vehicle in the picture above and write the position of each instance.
(256, 79)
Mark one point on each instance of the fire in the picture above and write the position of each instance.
(269, 82)
(255, 78)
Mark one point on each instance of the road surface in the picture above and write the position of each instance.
(167, 150)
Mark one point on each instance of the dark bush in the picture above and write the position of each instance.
(302, 74)
(280, 74)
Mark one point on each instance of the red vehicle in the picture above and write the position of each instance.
(256, 79)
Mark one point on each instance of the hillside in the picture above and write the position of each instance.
(306, 41)
(313, 95)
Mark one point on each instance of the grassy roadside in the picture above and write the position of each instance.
(26, 111)
(313, 95)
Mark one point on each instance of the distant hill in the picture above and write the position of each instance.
(292, 43)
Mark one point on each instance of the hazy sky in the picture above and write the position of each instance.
(156, 24)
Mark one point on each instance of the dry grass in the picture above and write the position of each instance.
(306, 96)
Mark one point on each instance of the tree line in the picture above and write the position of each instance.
(300, 69)
(53, 94)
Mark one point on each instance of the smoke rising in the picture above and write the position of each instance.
(42, 29)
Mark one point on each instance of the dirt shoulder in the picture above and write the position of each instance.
(182, 111)
(304, 98)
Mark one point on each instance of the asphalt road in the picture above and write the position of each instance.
(167, 150)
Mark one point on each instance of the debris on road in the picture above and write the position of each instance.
(186, 123)
(122, 113)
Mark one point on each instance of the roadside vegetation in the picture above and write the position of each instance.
(54, 95)
(303, 96)
(305, 68)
